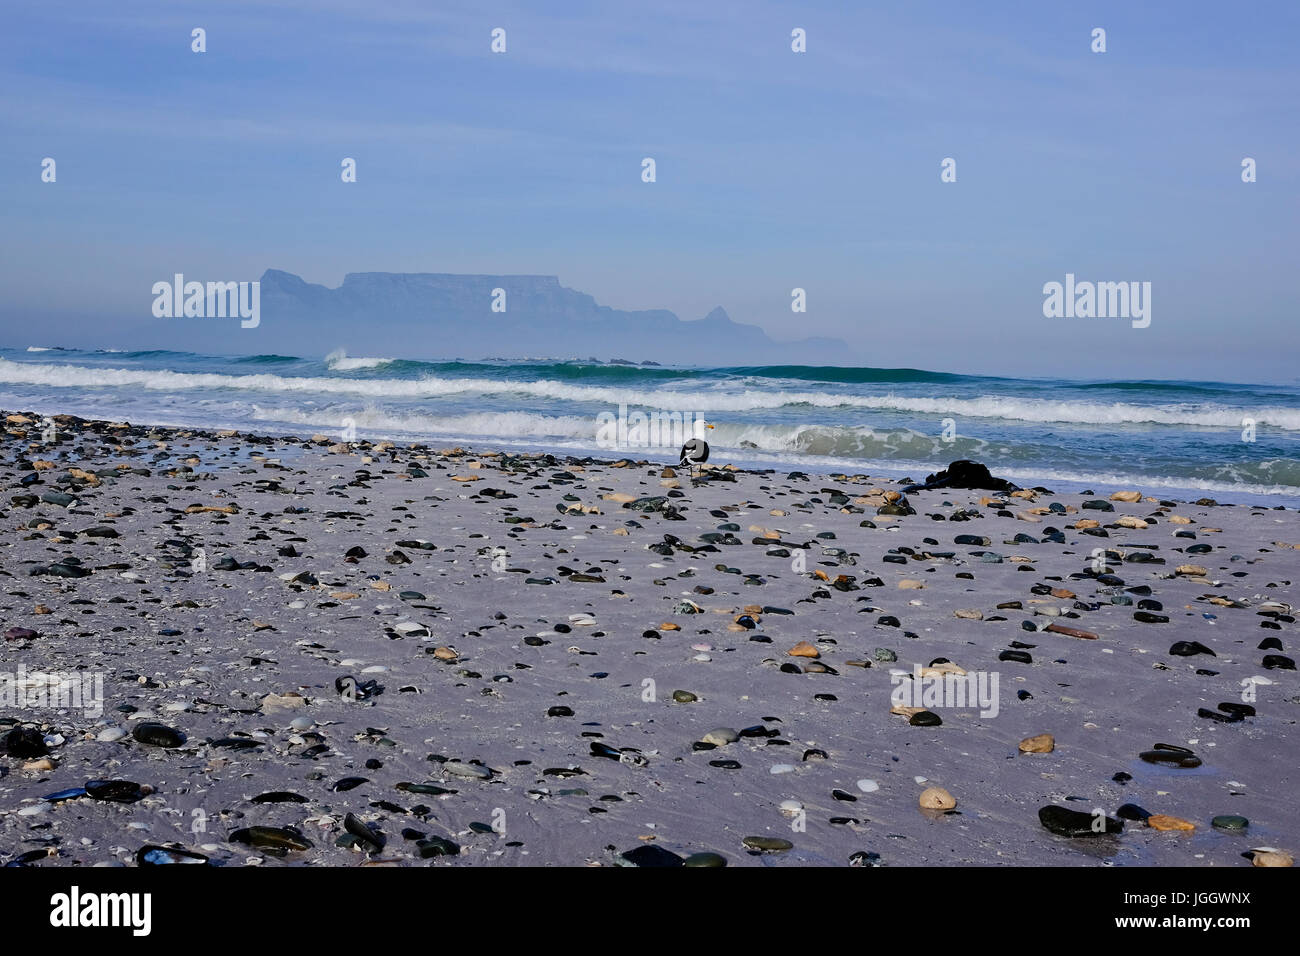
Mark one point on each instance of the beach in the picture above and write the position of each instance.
(325, 652)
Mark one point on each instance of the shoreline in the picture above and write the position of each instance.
(319, 654)
(307, 437)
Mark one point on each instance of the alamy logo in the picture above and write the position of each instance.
(1101, 300)
(653, 429)
(925, 688)
(53, 690)
(214, 300)
(73, 909)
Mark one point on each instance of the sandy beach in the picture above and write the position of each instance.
(317, 653)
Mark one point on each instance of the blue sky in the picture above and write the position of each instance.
(775, 170)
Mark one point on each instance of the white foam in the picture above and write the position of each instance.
(339, 361)
(718, 398)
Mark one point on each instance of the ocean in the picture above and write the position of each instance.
(1177, 439)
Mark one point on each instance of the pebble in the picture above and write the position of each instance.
(434, 846)
(767, 844)
(721, 737)
(651, 855)
(277, 841)
(157, 735)
(116, 791)
(1075, 823)
(168, 856)
(367, 836)
(470, 771)
(1229, 822)
(1272, 858)
(1168, 755)
(25, 743)
(937, 798)
(1131, 811)
(1161, 821)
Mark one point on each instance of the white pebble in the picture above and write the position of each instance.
(868, 786)
(782, 768)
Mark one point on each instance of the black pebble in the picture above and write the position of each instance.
(25, 743)
(158, 735)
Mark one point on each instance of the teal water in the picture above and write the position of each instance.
(1236, 442)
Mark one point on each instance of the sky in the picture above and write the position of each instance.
(775, 170)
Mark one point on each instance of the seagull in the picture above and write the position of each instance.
(696, 450)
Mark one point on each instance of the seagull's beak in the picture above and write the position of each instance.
(708, 426)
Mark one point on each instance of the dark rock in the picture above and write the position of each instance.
(157, 735)
(705, 859)
(115, 791)
(1076, 823)
(964, 474)
(649, 854)
(1168, 755)
(366, 835)
(25, 743)
(277, 841)
(168, 856)
(437, 846)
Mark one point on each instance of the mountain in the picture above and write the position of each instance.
(439, 315)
